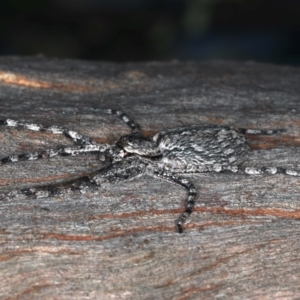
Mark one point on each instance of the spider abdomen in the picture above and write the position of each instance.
(200, 148)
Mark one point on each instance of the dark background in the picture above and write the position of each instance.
(139, 30)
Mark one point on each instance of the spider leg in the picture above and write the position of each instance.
(263, 170)
(80, 185)
(73, 135)
(115, 173)
(105, 149)
(260, 131)
(120, 171)
(118, 113)
(134, 166)
(189, 186)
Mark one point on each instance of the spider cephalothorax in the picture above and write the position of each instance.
(137, 144)
(190, 149)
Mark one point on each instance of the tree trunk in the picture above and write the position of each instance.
(241, 242)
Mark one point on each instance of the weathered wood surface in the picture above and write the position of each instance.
(242, 241)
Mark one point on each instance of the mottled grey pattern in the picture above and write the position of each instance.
(192, 149)
(201, 148)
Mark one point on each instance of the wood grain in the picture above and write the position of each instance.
(242, 241)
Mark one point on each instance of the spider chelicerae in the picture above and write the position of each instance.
(190, 149)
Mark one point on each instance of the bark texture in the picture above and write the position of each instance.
(242, 241)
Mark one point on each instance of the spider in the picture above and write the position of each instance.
(166, 155)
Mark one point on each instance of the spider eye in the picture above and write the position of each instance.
(125, 141)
